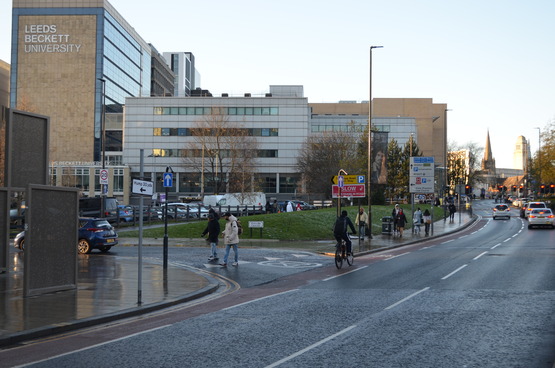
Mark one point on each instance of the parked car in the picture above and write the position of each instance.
(90, 207)
(540, 217)
(304, 206)
(533, 205)
(125, 213)
(94, 233)
(501, 210)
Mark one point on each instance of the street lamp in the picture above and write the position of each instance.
(102, 143)
(539, 157)
(445, 162)
(369, 177)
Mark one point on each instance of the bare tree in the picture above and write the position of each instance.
(224, 153)
(322, 156)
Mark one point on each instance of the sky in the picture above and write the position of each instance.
(490, 61)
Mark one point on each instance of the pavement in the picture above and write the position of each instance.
(108, 288)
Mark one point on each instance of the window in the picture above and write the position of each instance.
(118, 180)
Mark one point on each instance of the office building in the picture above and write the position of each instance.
(186, 76)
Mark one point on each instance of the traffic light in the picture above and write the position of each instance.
(514, 188)
(552, 188)
(521, 188)
(542, 189)
(467, 189)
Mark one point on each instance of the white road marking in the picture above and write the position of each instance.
(346, 273)
(300, 352)
(256, 300)
(94, 346)
(496, 245)
(448, 241)
(398, 255)
(407, 298)
(454, 272)
(479, 255)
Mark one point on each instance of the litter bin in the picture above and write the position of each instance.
(387, 225)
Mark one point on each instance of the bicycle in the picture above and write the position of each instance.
(341, 254)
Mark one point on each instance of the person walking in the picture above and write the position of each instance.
(427, 221)
(340, 228)
(289, 207)
(394, 214)
(231, 238)
(362, 222)
(213, 231)
(452, 210)
(417, 220)
(401, 221)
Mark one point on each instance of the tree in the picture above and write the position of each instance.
(544, 159)
(322, 156)
(223, 151)
(463, 164)
(398, 167)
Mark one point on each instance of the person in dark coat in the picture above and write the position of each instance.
(401, 221)
(340, 232)
(213, 231)
(394, 214)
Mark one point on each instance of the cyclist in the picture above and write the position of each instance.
(340, 230)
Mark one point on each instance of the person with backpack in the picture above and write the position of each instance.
(231, 238)
(340, 228)
(213, 231)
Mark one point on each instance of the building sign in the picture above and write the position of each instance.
(47, 38)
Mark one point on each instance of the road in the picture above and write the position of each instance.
(484, 297)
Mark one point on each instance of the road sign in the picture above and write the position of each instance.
(168, 180)
(350, 179)
(142, 187)
(340, 181)
(352, 190)
(421, 175)
(103, 176)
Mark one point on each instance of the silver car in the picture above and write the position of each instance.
(540, 217)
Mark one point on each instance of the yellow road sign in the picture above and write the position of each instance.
(350, 179)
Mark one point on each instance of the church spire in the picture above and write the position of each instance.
(488, 163)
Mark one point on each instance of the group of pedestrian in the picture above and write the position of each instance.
(230, 235)
(419, 218)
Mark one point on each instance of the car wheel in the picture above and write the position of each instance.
(105, 249)
(529, 226)
(22, 244)
(83, 246)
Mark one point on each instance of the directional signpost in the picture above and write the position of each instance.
(421, 178)
(142, 187)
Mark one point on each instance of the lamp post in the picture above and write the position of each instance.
(445, 162)
(539, 157)
(369, 178)
(102, 143)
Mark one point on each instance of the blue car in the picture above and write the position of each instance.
(94, 233)
(125, 213)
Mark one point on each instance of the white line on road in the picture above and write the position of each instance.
(479, 255)
(407, 298)
(454, 272)
(94, 346)
(506, 240)
(496, 245)
(398, 255)
(256, 300)
(464, 236)
(346, 273)
(300, 352)
(448, 241)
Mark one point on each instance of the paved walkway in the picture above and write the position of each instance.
(107, 287)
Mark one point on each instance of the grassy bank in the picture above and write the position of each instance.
(297, 225)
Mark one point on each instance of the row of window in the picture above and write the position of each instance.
(347, 128)
(160, 152)
(216, 110)
(78, 177)
(203, 132)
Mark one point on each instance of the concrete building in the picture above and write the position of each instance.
(163, 128)
(72, 60)
(400, 117)
(522, 155)
(187, 77)
(4, 104)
